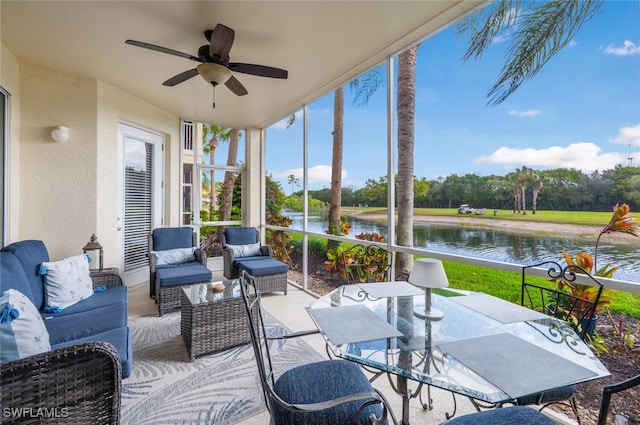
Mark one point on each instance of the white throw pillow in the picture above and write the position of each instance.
(249, 250)
(22, 330)
(174, 256)
(67, 281)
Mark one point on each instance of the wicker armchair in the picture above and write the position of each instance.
(168, 297)
(79, 384)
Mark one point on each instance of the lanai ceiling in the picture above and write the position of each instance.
(321, 43)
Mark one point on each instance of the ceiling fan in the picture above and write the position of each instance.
(215, 65)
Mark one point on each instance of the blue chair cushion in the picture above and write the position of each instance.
(261, 266)
(97, 314)
(120, 338)
(559, 394)
(31, 254)
(183, 274)
(240, 235)
(172, 237)
(12, 275)
(504, 416)
(318, 382)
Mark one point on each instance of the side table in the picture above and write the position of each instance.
(213, 320)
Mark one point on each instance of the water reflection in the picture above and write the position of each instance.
(495, 244)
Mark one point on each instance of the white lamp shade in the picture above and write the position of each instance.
(214, 73)
(60, 133)
(428, 273)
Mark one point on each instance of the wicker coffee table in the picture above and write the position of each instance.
(213, 320)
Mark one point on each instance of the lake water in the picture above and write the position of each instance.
(494, 244)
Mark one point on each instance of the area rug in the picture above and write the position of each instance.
(220, 388)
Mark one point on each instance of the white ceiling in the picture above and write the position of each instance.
(321, 43)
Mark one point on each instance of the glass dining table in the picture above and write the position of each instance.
(484, 348)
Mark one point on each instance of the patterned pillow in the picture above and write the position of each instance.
(249, 250)
(174, 256)
(67, 282)
(22, 330)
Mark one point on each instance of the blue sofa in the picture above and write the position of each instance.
(102, 317)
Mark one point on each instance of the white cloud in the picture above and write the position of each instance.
(585, 156)
(529, 113)
(318, 175)
(629, 136)
(628, 48)
(573, 43)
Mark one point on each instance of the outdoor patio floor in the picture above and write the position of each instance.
(290, 310)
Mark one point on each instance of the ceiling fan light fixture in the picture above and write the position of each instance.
(214, 73)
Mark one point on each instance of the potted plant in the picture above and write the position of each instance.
(584, 263)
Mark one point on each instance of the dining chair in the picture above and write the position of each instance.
(366, 263)
(526, 416)
(322, 392)
(576, 311)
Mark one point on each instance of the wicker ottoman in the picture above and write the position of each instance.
(213, 320)
(270, 274)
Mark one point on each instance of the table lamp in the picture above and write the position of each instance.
(428, 273)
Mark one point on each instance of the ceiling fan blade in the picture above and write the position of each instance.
(180, 78)
(236, 86)
(162, 50)
(259, 70)
(221, 42)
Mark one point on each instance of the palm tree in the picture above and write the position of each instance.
(335, 196)
(229, 176)
(405, 196)
(293, 181)
(536, 31)
(538, 182)
(212, 135)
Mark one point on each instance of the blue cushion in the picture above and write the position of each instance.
(322, 381)
(183, 274)
(504, 416)
(240, 235)
(262, 266)
(559, 394)
(249, 250)
(120, 338)
(12, 275)
(172, 237)
(31, 254)
(101, 312)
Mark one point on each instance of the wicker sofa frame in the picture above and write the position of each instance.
(80, 384)
(169, 298)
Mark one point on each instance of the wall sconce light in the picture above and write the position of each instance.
(93, 246)
(60, 133)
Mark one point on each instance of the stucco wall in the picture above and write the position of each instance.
(58, 181)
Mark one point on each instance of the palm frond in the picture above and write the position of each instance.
(536, 31)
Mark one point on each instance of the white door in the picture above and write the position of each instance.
(140, 198)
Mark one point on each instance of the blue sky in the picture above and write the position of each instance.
(581, 111)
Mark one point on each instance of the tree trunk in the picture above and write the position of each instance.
(229, 177)
(335, 196)
(524, 207)
(213, 144)
(405, 196)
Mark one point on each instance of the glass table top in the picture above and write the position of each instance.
(483, 347)
(212, 292)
